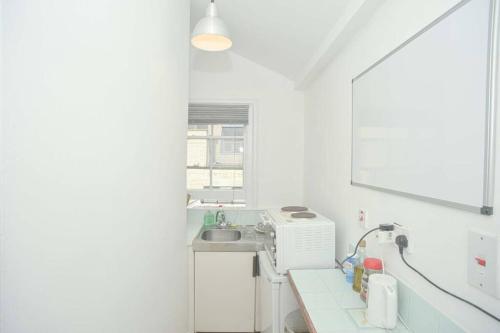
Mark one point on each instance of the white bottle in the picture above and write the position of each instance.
(382, 301)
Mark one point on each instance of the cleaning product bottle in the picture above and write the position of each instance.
(208, 218)
(359, 268)
(349, 269)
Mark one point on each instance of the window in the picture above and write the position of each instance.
(216, 153)
(215, 157)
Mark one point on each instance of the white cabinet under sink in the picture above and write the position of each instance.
(224, 291)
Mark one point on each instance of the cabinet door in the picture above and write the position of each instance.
(224, 292)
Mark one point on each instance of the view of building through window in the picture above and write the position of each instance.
(215, 156)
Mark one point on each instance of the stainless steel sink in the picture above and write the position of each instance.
(221, 235)
(237, 238)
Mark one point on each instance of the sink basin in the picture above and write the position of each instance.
(221, 235)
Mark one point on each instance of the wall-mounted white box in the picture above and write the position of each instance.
(483, 261)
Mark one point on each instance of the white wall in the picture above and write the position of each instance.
(93, 166)
(279, 119)
(439, 233)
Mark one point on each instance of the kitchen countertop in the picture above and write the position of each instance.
(329, 305)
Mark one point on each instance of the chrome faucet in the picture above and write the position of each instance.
(220, 219)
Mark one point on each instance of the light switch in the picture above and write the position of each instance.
(483, 261)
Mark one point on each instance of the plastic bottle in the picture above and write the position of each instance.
(358, 275)
(349, 269)
(208, 218)
(359, 268)
(361, 252)
(371, 266)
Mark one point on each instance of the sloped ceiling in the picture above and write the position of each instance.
(281, 35)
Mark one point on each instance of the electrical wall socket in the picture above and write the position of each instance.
(363, 218)
(386, 237)
(389, 237)
(402, 230)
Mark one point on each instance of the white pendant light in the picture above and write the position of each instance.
(210, 33)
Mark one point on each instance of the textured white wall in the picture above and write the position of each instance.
(93, 166)
(279, 132)
(439, 233)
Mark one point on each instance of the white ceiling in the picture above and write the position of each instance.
(282, 35)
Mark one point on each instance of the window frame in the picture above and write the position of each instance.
(211, 156)
(247, 193)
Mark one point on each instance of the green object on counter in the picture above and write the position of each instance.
(208, 218)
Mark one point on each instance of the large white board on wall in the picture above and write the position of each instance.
(423, 116)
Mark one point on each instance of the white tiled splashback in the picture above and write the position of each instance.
(421, 317)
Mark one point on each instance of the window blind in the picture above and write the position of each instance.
(204, 113)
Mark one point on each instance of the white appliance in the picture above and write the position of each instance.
(382, 301)
(299, 243)
(291, 243)
(276, 298)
